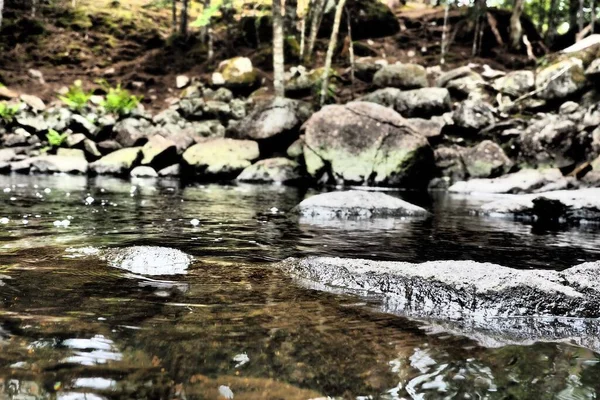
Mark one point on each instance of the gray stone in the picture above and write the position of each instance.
(552, 141)
(236, 74)
(423, 103)
(272, 170)
(143, 172)
(148, 260)
(219, 158)
(108, 146)
(561, 79)
(60, 164)
(223, 95)
(132, 132)
(33, 102)
(385, 97)
(515, 83)
(356, 204)
(365, 68)
(473, 115)
(403, 76)
(207, 129)
(524, 181)
(430, 128)
(553, 206)
(365, 143)
(456, 73)
(593, 70)
(7, 155)
(118, 162)
(75, 140)
(32, 124)
(181, 81)
(458, 289)
(486, 160)
(173, 170)
(80, 124)
(91, 149)
(449, 163)
(159, 152)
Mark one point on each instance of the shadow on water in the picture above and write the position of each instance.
(74, 328)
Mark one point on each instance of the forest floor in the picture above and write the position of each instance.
(132, 43)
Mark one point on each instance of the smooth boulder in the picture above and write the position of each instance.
(272, 170)
(220, 158)
(367, 144)
(524, 181)
(402, 76)
(118, 162)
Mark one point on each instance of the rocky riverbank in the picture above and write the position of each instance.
(419, 127)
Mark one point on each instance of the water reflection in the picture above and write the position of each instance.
(72, 327)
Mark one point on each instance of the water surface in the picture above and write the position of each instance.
(73, 328)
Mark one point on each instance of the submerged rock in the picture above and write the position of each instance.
(458, 289)
(148, 260)
(356, 204)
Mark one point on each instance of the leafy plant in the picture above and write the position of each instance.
(76, 98)
(118, 100)
(56, 139)
(8, 111)
(209, 12)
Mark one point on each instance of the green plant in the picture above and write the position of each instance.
(56, 139)
(118, 100)
(76, 98)
(8, 111)
(209, 12)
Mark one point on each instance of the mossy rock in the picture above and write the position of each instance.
(218, 158)
(236, 73)
(561, 79)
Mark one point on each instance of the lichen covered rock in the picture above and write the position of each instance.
(220, 158)
(365, 143)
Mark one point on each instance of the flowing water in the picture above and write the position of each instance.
(233, 326)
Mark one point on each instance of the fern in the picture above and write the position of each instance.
(56, 139)
(209, 12)
(76, 98)
(118, 100)
(8, 111)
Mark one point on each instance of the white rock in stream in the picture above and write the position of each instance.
(356, 204)
(148, 260)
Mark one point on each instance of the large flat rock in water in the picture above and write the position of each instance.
(559, 206)
(148, 260)
(458, 289)
(524, 181)
(356, 204)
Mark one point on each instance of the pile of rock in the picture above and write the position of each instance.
(417, 125)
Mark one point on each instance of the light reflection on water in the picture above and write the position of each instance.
(72, 327)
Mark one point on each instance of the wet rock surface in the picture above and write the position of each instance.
(552, 207)
(148, 260)
(356, 204)
(458, 289)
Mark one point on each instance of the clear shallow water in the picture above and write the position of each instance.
(72, 328)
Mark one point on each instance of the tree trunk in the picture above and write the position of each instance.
(1, 11)
(204, 31)
(184, 18)
(580, 20)
(302, 36)
(444, 42)
(211, 50)
(33, 8)
(480, 7)
(573, 14)
(551, 32)
(516, 30)
(593, 14)
(278, 60)
(315, 24)
(332, 44)
(350, 53)
(174, 12)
